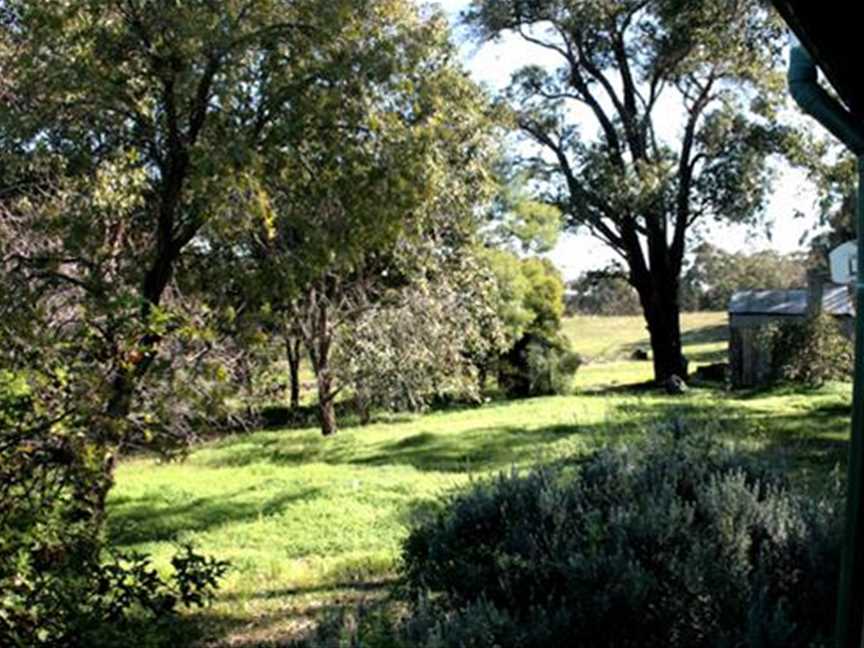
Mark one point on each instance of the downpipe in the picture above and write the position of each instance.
(816, 101)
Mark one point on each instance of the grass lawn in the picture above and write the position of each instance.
(312, 524)
(607, 344)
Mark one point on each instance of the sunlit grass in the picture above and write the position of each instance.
(607, 344)
(614, 338)
(311, 523)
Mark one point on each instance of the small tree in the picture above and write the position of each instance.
(371, 180)
(421, 343)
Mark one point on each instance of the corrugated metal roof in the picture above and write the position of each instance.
(835, 301)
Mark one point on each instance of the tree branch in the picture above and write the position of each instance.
(686, 165)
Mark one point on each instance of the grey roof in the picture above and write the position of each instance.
(835, 301)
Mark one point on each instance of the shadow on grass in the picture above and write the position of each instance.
(645, 387)
(211, 628)
(812, 439)
(480, 448)
(276, 417)
(163, 631)
(361, 585)
(297, 624)
(148, 520)
(706, 335)
(306, 416)
(706, 357)
(804, 439)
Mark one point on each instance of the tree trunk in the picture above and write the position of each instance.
(109, 434)
(327, 413)
(293, 349)
(482, 378)
(364, 411)
(326, 407)
(318, 345)
(659, 297)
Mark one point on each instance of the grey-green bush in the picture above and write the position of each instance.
(676, 544)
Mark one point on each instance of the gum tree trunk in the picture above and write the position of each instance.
(319, 343)
(293, 346)
(658, 294)
(326, 395)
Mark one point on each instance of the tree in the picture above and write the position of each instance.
(533, 357)
(836, 183)
(529, 288)
(622, 64)
(294, 354)
(530, 294)
(136, 139)
(518, 222)
(421, 343)
(603, 292)
(409, 162)
(154, 118)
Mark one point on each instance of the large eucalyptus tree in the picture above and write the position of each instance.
(629, 72)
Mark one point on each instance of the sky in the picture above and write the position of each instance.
(493, 63)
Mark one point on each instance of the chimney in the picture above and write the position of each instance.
(815, 290)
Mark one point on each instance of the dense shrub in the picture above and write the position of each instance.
(674, 545)
(811, 353)
(536, 366)
(59, 585)
(77, 601)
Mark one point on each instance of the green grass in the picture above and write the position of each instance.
(614, 338)
(311, 524)
(607, 344)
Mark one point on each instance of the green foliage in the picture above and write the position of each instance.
(134, 138)
(534, 224)
(836, 184)
(811, 353)
(384, 181)
(536, 366)
(603, 292)
(679, 544)
(520, 221)
(530, 294)
(512, 290)
(423, 343)
(58, 586)
(530, 306)
(545, 296)
(76, 600)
